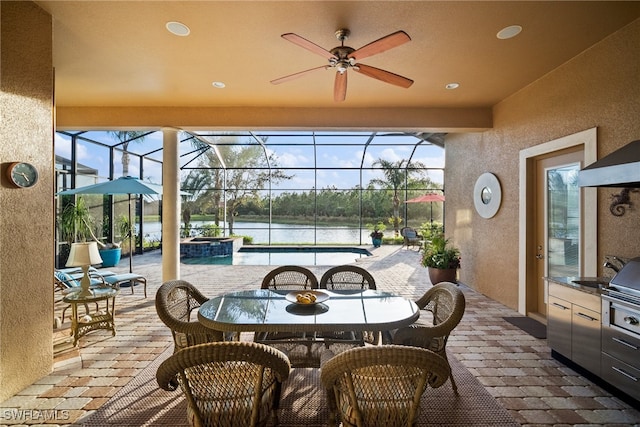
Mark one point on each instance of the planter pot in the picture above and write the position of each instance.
(376, 242)
(110, 257)
(437, 275)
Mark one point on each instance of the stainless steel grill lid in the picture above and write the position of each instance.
(628, 276)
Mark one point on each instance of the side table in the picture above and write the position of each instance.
(102, 318)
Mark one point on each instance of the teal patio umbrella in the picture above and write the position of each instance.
(124, 185)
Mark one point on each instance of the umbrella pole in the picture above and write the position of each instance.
(130, 239)
(431, 206)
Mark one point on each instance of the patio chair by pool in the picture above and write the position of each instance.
(175, 302)
(233, 383)
(349, 278)
(382, 385)
(411, 237)
(115, 280)
(446, 304)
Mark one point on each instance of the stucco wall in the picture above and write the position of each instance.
(26, 215)
(598, 88)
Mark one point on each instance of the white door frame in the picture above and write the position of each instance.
(589, 217)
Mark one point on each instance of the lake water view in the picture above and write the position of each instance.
(282, 233)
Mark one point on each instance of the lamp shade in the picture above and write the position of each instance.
(82, 254)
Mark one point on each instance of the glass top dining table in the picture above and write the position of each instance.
(265, 310)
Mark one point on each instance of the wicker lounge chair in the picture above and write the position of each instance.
(232, 384)
(446, 304)
(411, 237)
(175, 301)
(380, 386)
(349, 277)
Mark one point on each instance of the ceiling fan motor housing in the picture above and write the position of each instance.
(341, 61)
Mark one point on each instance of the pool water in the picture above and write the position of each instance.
(309, 255)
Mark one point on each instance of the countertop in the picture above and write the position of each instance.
(591, 285)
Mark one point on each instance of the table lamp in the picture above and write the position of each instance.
(83, 255)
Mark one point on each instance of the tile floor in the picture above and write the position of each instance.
(515, 367)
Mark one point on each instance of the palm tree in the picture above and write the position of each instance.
(125, 137)
(396, 176)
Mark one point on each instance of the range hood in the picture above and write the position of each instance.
(618, 169)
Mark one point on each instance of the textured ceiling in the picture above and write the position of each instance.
(119, 54)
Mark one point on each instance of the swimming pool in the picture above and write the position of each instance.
(285, 255)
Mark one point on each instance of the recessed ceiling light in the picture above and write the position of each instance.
(452, 86)
(218, 85)
(178, 28)
(508, 32)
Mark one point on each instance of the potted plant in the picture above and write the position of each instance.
(112, 252)
(76, 225)
(376, 233)
(441, 260)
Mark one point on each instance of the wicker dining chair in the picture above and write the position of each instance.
(175, 302)
(380, 386)
(232, 383)
(290, 277)
(446, 304)
(300, 347)
(349, 277)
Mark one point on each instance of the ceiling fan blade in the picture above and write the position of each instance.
(340, 87)
(382, 75)
(296, 75)
(380, 45)
(310, 46)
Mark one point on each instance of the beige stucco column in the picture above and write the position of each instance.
(26, 214)
(170, 206)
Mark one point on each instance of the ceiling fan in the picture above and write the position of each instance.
(344, 57)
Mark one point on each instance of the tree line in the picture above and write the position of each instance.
(246, 173)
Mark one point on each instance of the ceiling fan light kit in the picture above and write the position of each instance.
(343, 58)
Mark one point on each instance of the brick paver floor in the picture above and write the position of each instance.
(516, 368)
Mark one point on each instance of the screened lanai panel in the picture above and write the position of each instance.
(146, 142)
(340, 179)
(436, 176)
(339, 156)
(391, 153)
(431, 156)
(126, 164)
(291, 156)
(93, 163)
(300, 179)
(151, 170)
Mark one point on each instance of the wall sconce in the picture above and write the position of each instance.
(487, 195)
(617, 207)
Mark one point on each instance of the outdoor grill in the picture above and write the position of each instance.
(621, 330)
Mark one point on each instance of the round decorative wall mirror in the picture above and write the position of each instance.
(487, 195)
